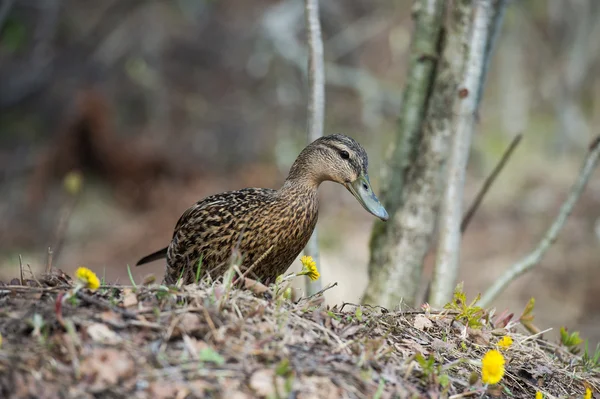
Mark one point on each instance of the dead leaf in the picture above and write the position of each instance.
(262, 382)
(189, 323)
(351, 330)
(255, 286)
(438, 345)
(232, 389)
(110, 317)
(101, 333)
(105, 367)
(167, 389)
(422, 322)
(129, 298)
(318, 388)
(479, 337)
(415, 347)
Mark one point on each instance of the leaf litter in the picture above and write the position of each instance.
(159, 342)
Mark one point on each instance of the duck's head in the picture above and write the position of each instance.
(340, 159)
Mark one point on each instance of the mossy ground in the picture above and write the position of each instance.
(202, 341)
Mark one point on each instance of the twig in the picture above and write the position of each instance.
(21, 269)
(33, 276)
(106, 305)
(49, 261)
(489, 181)
(248, 270)
(211, 324)
(534, 336)
(549, 238)
(316, 105)
(330, 286)
(26, 288)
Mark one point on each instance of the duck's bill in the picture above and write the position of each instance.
(362, 191)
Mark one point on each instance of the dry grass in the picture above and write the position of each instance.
(147, 342)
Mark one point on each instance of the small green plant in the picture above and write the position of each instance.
(131, 277)
(432, 372)
(285, 371)
(209, 355)
(427, 365)
(40, 328)
(590, 362)
(358, 314)
(333, 315)
(470, 314)
(380, 389)
(199, 270)
(570, 340)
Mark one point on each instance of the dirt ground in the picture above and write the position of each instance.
(209, 341)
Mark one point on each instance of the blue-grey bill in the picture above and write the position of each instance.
(362, 191)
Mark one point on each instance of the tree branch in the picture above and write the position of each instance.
(529, 261)
(316, 106)
(489, 181)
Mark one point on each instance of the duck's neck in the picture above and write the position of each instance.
(303, 179)
(300, 186)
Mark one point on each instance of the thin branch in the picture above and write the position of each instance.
(21, 269)
(316, 74)
(529, 261)
(316, 105)
(281, 23)
(489, 181)
(448, 252)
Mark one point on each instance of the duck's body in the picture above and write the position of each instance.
(274, 225)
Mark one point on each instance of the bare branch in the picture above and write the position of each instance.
(316, 106)
(529, 261)
(489, 181)
(280, 24)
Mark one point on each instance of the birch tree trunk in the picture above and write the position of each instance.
(413, 180)
(448, 250)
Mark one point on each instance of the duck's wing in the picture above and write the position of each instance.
(234, 201)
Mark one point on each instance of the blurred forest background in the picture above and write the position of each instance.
(160, 103)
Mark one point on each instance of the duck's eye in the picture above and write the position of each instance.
(344, 154)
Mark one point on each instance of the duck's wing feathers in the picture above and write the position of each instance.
(234, 203)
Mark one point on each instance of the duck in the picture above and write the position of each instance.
(268, 228)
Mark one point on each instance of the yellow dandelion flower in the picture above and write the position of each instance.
(309, 268)
(492, 367)
(88, 277)
(505, 342)
(539, 395)
(588, 394)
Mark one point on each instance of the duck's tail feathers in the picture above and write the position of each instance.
(161, 253)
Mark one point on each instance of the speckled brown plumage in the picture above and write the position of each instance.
(274, 224)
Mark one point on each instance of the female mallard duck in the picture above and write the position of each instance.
(274, 225)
